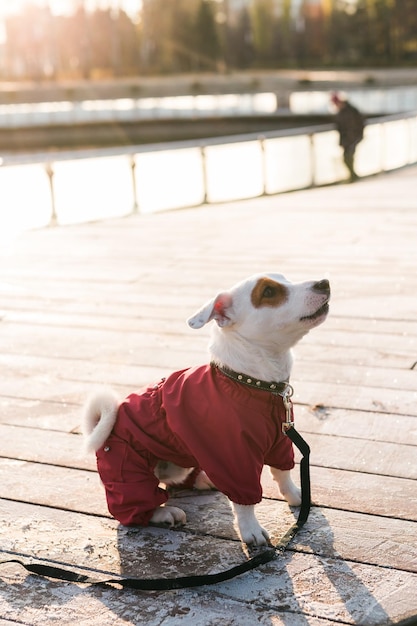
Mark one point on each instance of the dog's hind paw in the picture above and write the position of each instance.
(170, 516)
(203, 482)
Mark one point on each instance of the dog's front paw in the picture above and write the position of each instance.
(254, 535)
(250, 530)
(289, 491)
(292, 496)
(168, 516)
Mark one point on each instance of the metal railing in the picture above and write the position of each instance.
(78, 186)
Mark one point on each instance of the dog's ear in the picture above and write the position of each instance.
(219, 309)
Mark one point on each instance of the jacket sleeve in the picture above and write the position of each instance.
(281, 456)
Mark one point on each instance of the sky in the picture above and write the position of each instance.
(8, 7)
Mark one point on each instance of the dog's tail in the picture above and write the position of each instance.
(100, 414)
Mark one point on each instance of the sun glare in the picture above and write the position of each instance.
(66, 7)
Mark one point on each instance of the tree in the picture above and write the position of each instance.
(207, 43)
(264, 29)
(207, 35)
(240, 41)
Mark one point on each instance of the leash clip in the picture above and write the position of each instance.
(286, 398)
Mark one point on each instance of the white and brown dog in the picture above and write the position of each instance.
(213, 425)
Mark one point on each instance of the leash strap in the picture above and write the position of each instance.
(164, 584)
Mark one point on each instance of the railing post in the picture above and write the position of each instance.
(383, 148)
(50, 173)
(312, 160)
(261, 140)
(135, 208)
(204, 172)
(410, 140)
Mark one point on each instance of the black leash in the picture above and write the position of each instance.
(164, 584)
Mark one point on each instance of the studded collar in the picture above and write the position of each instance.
(281, 388)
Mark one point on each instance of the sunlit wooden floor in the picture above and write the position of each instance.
(106, 303)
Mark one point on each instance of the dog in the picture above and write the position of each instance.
(216, 425)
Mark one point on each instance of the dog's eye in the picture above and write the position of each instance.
(269, 292)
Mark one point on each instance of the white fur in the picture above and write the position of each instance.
(100, 414)
(257, 341)
(168, 516)
(252, 336)
(251, 532)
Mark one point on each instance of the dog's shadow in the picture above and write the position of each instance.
(323, 581)
(203, 546)
(309, 576)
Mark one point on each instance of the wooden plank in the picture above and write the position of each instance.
(402, 401)
(176, 326)
(325, 587)
(331, 533)
(359, 398)
(37, 603)
(377, 305)
(44, 446)
(334, 395)
(35, 413)
(46, 533)
(375, 326)
(355, 455)
(336, 354)
(35, 308)
(362, 374)
(386, 496)
(283, 585)
(370, 426)
(85, 495)
(152, 317)
(101, 544)
(330, 488)
(106, 548)
(368, 493)
(63, 288)
(356, 375)
(29, 368)
(92, 344)
(358, 537)
(387, 341)
(223, 263)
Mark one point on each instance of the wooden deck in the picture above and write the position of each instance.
(106, 303)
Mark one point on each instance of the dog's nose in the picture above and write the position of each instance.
(322, 286)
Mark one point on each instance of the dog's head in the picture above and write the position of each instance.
(268, 307)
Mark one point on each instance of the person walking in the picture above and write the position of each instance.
(350, 124)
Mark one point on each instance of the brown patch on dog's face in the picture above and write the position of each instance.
(268, 292)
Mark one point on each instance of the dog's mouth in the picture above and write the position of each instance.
(323, 310)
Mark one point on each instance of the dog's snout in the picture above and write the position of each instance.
(322, 286)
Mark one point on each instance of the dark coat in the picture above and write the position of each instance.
(350, 124)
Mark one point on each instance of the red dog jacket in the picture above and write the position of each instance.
(197, 417)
